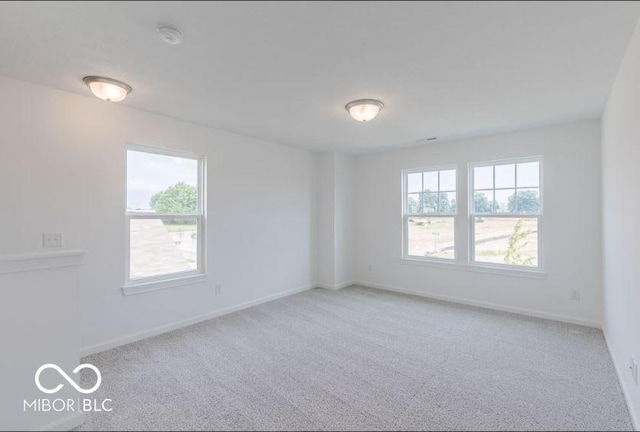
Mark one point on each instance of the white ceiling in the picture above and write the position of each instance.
(284, 71)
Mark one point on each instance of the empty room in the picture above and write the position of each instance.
(319, 215)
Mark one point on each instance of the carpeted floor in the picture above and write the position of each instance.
(366, 360)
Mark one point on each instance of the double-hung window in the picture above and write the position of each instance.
(164, 215)
(505, 206)
(429, 209)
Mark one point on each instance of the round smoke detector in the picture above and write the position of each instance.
(171, 35)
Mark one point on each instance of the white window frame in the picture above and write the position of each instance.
(152, 283)
(472, 214)
(406, 215)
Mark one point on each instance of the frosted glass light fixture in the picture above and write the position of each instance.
(364, 110)
(107, 89)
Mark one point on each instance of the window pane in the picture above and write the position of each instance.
(506, 176)
(505, 201)
(161, 247)
(527, 201)
(483, 201)
(512, 241)
(529, 174)
(430, 203)
(164, 184)
(483, 177)
(430, 181)
(414, 203)
(447, 202)
(414, 182)
(431, 237)
(448, 180)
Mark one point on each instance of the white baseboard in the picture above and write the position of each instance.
(335, 287)
(620, 370)
(485, 305)
(97, 348)
(64, 424)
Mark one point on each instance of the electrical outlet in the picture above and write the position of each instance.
(52, 240)
(218, 289)
(575, 294)
(633, 367)
(369, 267)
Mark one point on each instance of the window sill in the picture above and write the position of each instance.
(476, 268)
(144, 287)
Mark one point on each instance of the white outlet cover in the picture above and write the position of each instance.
(50, 240)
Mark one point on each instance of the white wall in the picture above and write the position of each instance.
(335, 220)
(570, 234)
(325, 220)
(38, 325)
(621, 204)
(345, 208)
(62, 169)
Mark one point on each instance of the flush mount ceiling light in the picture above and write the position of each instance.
(364, 110)
(107, 89)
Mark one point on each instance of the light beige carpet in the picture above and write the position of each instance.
(362, 359)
